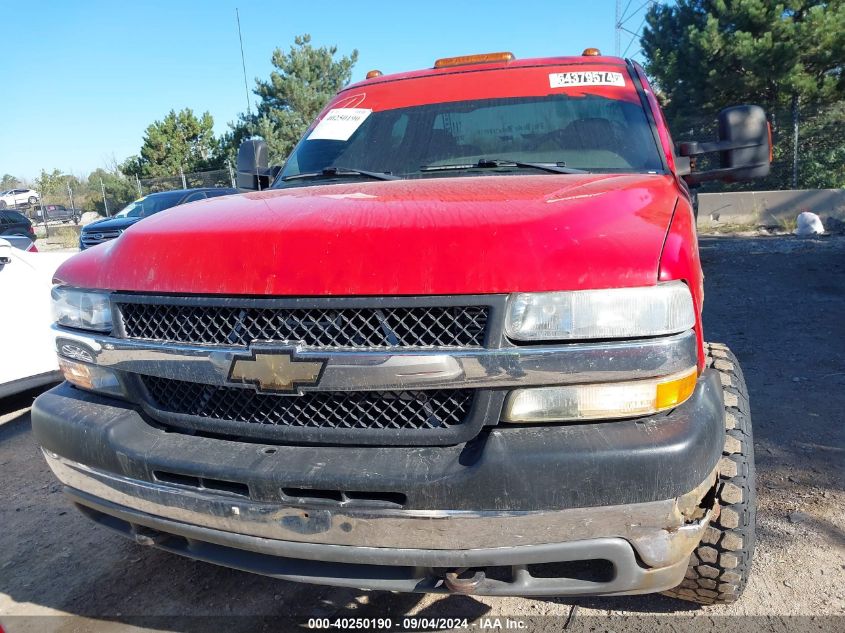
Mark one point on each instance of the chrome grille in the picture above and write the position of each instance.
(92, 238)
(374, 410)
(419, 326)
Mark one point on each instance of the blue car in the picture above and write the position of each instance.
(110, 228)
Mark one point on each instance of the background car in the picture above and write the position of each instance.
(19, 198)
(22, 242)
(15, 223)
(56, 212)
(110, 228)
(28, 356)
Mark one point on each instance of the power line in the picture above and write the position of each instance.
(624, 21)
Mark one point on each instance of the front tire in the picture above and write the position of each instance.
(33, 200)
(720, 565)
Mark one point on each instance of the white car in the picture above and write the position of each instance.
(28, 357)
(18, 198)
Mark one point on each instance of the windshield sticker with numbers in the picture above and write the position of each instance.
(339, 124)
(586, 78)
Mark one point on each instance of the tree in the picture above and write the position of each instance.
(180, 140)
(119, 190)
(822, 149)
(53, 186)
(9, 182)
(131, 167)
(707, 54)
(304, 80)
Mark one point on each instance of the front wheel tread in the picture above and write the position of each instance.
(719, 567)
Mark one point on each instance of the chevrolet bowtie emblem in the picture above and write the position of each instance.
(276, 371)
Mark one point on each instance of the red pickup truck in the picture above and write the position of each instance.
(454, 344)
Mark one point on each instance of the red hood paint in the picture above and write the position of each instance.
(469, 235)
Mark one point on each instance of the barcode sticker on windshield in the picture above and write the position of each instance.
(339, 124)
(586, 78)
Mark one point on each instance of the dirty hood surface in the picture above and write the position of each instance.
(485, 234)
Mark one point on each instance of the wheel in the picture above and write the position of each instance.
(2, 204)
(32, 200)
(720, 565)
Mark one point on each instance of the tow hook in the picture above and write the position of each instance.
(459, 581)
(149, 537)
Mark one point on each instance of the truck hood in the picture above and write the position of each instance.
(470, 235)
(110, 224)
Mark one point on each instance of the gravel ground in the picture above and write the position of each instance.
(778, 302)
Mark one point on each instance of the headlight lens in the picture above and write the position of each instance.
(600, 401)
(82, 309)
(600, 314)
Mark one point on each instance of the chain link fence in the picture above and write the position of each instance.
(109, 194)
(216, 178)
(808, 143)
(122, 191)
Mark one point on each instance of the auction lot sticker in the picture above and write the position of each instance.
(586, 78)
(339, 124)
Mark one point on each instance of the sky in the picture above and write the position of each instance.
(90, 76)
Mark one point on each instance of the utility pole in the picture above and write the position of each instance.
(184, 182)
(70, 196)
(635, 12)
(795, 115)
(138, 182)
(618, 29)
(105, 202)
(231, 173)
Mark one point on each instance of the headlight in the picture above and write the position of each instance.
(600, 401)
(82, 309)
(600, 314)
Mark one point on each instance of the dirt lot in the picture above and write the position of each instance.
(779, 302)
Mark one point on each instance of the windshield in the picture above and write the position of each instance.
(587, 132)
(144, 207)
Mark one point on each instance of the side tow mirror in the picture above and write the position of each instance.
(744, 146)
(254, 172)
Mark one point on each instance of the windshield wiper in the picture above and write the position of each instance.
(489, 163)
(341, 172)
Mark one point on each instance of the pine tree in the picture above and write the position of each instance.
(304, 80)
(708, 54)
(180, 140)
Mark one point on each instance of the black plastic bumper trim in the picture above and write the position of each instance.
(410, 571)
(544, 467)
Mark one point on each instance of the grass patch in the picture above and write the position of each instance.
(64, 236)
(788, 225)
(727, 229)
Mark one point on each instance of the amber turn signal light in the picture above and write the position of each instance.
(91, 377)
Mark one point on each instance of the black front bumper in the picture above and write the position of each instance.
(529, 508)
(510, 468)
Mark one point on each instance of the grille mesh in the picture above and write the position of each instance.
(452, 326)
(423, 410)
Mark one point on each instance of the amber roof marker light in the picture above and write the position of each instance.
(484, 58)
(374, 73)
(591, 52)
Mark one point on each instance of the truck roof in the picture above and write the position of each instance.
(575, 60)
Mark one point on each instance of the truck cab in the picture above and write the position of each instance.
(454, 344)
